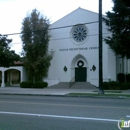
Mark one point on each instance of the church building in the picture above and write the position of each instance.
(75, 43)
(74, 40)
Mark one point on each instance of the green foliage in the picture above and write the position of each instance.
(115, 86)
(26, 84)
(126, 2)
(126, 86)
(128, 78)
(118, 22)
(121, 77)
(7, 56)
(105, 85)
(35, 39)
(40, 84)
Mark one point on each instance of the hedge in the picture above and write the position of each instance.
(127, 77)
(115, 86)
(121, 77)
(27, 84)
(40, 85)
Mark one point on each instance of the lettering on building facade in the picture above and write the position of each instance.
(76, 49)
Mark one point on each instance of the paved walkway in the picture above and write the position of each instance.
(48, 91)
(45, 91)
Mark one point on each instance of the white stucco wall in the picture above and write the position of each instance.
(111, 74)
(66, 51)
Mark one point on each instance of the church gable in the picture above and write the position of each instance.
(78, 16)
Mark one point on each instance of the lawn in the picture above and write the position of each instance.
(106, 94)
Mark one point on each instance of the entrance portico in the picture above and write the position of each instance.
(11, 75)
(79, 67)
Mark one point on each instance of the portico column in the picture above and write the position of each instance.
(128, 66)
(21, 76)
(3, 84)
(10, 78)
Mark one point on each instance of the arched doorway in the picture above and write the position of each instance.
(80, 74)
(79, 68)
(12, 77)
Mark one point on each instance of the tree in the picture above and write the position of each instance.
(126, 2)
(7, 56)
(118, 22)
(35, 39)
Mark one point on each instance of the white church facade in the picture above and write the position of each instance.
(74, 41)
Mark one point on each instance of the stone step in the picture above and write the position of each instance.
(76, 85)
(82, 85)
(61, 85)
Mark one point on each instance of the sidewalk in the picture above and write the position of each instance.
(45, 91)
(48, 91)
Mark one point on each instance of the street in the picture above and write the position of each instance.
(19, 112)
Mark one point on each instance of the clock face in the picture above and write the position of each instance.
(79, 33)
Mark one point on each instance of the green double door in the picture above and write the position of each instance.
(80, 74)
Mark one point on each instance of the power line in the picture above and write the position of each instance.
(55, 28)
(67, 38)
(48, 29)
(55, 33)
(72, 37)
(72, 25)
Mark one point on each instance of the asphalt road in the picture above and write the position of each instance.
(61, 113)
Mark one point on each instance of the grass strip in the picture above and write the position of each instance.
(111, 91)
(98, 95)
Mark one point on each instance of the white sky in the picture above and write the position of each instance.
(12, 12)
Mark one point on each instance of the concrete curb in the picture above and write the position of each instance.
(66, 95)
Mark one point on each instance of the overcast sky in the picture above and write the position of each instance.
(12, 12)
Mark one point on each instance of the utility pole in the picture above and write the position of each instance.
(101, 91)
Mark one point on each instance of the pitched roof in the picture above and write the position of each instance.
(78, 9)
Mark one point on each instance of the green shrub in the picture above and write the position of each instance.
(115, 86)
(121, 77)
(105, 85)
(126, 86)
(121, 86)
(40, 85)
(128, 78)
(26, 84)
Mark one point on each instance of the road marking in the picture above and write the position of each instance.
(57, 116)
(128, 116)
(67, 105)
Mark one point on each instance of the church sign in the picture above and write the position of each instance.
(76, 49)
